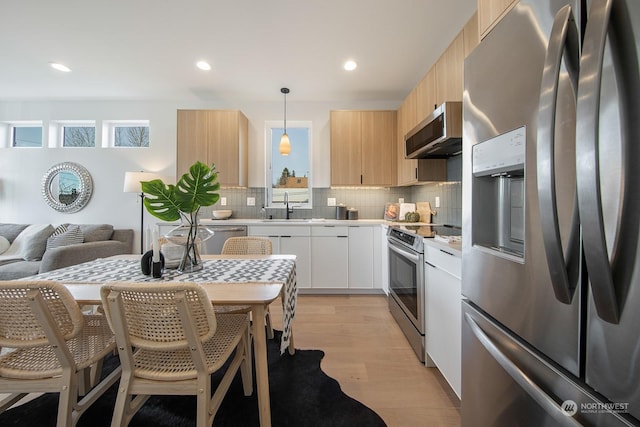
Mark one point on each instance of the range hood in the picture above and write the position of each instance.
(439, 136)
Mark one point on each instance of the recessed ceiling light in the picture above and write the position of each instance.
(350, 65)
(203, 65)
(59, 67)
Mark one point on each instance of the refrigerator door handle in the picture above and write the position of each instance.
(563, 42)
(610, 280)
(527, 384)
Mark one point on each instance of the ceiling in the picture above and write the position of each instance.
(147, 49)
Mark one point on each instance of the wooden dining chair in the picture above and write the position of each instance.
(247, 245)
(51, 346)
(170, 341)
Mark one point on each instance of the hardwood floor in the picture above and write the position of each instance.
(367, 353)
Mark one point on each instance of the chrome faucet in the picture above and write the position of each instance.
(288, 210)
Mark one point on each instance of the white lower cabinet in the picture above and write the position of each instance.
(329, 257)
(361, 255)
(290, 240)
(443, 312)
(340, 257)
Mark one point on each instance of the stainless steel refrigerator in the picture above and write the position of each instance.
(551, 217)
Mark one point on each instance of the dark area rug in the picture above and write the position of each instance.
(301, 395)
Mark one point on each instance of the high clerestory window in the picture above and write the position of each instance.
(26, 135)
(127, 133)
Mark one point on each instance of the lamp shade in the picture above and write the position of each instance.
(285, 145)
(132, 180)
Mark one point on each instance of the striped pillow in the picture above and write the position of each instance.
(65, 235)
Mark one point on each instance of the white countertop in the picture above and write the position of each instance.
(299, 221)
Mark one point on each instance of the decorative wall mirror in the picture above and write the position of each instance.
(67, 187)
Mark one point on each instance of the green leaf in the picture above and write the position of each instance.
(197, 188)
(160, 200)
(193, 190)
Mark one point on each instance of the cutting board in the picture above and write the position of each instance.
(391, 211)
(424, 209)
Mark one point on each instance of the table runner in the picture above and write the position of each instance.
(214, 270)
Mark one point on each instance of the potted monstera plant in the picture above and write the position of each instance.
(183, 201)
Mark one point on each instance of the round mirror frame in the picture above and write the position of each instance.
(84, 191)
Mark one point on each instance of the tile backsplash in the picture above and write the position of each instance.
(369, 201)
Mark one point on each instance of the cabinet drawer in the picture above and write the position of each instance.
(444, 259)
(279, 230)
(329, 230)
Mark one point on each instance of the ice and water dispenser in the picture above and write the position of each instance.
(498, 195)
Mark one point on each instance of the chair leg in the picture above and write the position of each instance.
(10, 400)
(126, 404)
(67, 399)
(203, 398)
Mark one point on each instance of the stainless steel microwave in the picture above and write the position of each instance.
(439, 136)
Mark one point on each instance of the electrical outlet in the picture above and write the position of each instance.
(251, 201)
(223, 201)
(437, 201)
(401, 200)
(331, 201)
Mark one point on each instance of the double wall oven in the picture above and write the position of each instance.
(406, 285)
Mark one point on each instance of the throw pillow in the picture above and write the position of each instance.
(4, 245)
(11, 231)
(65, 235)
(31, 242)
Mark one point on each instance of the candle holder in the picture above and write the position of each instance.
(150, 268)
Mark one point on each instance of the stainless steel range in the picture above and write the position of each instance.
(406, 284)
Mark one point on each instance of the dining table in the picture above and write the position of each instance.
(247, 280)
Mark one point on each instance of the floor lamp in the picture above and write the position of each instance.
(132, 185)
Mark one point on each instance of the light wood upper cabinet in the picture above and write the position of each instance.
(425, 97)
(214, 136)
(449, 68)
(406, 167)
(471, 35)
(362, 148)
(490, 12)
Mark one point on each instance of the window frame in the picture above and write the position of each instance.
(63, 124)
(109, 132)
(11, 129)
(270, 125)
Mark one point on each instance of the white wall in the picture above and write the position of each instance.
(22, 169)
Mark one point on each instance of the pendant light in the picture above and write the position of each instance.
(285, 144)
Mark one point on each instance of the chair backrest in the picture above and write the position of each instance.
(150, 315)
(20, 323)
(247, 245)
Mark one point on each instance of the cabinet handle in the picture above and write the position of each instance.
(448, 253)
(416, 173)
(285, 236)
(360, 178)
(430, 265)
(342, 237)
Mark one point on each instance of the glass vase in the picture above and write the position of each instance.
(190, 237)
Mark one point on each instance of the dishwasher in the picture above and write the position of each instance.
(213, 245)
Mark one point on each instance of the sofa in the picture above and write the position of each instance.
(29, 249)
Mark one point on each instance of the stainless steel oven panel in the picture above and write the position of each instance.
(414, 309)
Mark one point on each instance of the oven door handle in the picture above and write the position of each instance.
(410, 255)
